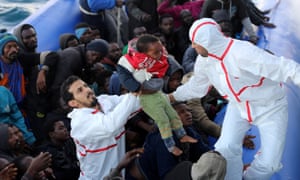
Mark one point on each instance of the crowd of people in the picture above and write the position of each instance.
(132, 94)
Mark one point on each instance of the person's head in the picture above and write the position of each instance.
(173, 76)
(119, 3)
(166, 24)
(184, 112)
(175, 80)
(114, 52)
(9, 47)
(75, 93)
(96, 34)
(55, 130)
(102, 79)
(161, 37)
(84, 32)
(27, 37)
(14, 138)
(68, 40)
(150, 45)
(186, 17)
(21, 137)
(10, 139)
(96, 50)
(206, 36)
(138, 31)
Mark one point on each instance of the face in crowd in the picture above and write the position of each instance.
(29, 39)
(83, 95)
(10, 52)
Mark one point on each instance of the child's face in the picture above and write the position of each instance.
(155, 50)
(175, 81)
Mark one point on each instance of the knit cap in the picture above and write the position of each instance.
(4, 39)
(98, 45)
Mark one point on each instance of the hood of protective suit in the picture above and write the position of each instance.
(207, 33)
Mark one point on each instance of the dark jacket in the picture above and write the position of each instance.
(64, 162)
(136, 9)
(35, 104)
(156, 161)
(238, 11)
(189, 59)
(71, 61)
(64, 38)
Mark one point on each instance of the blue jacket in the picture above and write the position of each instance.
(10, 113)
(96, 5)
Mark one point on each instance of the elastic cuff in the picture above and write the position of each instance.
(180, 132)
(45, 67)
(169, 143)
(43, 56)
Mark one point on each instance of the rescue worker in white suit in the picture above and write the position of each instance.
(251, 79)
(97, 126)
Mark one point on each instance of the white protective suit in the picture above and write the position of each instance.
(100, 137)
(250, 78)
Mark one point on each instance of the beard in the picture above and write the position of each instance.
(12, 57)
(94, 102)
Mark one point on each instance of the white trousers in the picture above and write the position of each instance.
(272, 125)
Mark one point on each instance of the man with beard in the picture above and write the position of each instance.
(12, 63)
(35, 102)
(9, 142)
(252, 80)
(97, 126)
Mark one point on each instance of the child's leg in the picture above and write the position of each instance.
(153, 105)
(176, 123)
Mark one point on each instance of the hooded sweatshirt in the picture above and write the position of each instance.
(64, 38)
(18, 33)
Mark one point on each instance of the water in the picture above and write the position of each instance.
(13, 12)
